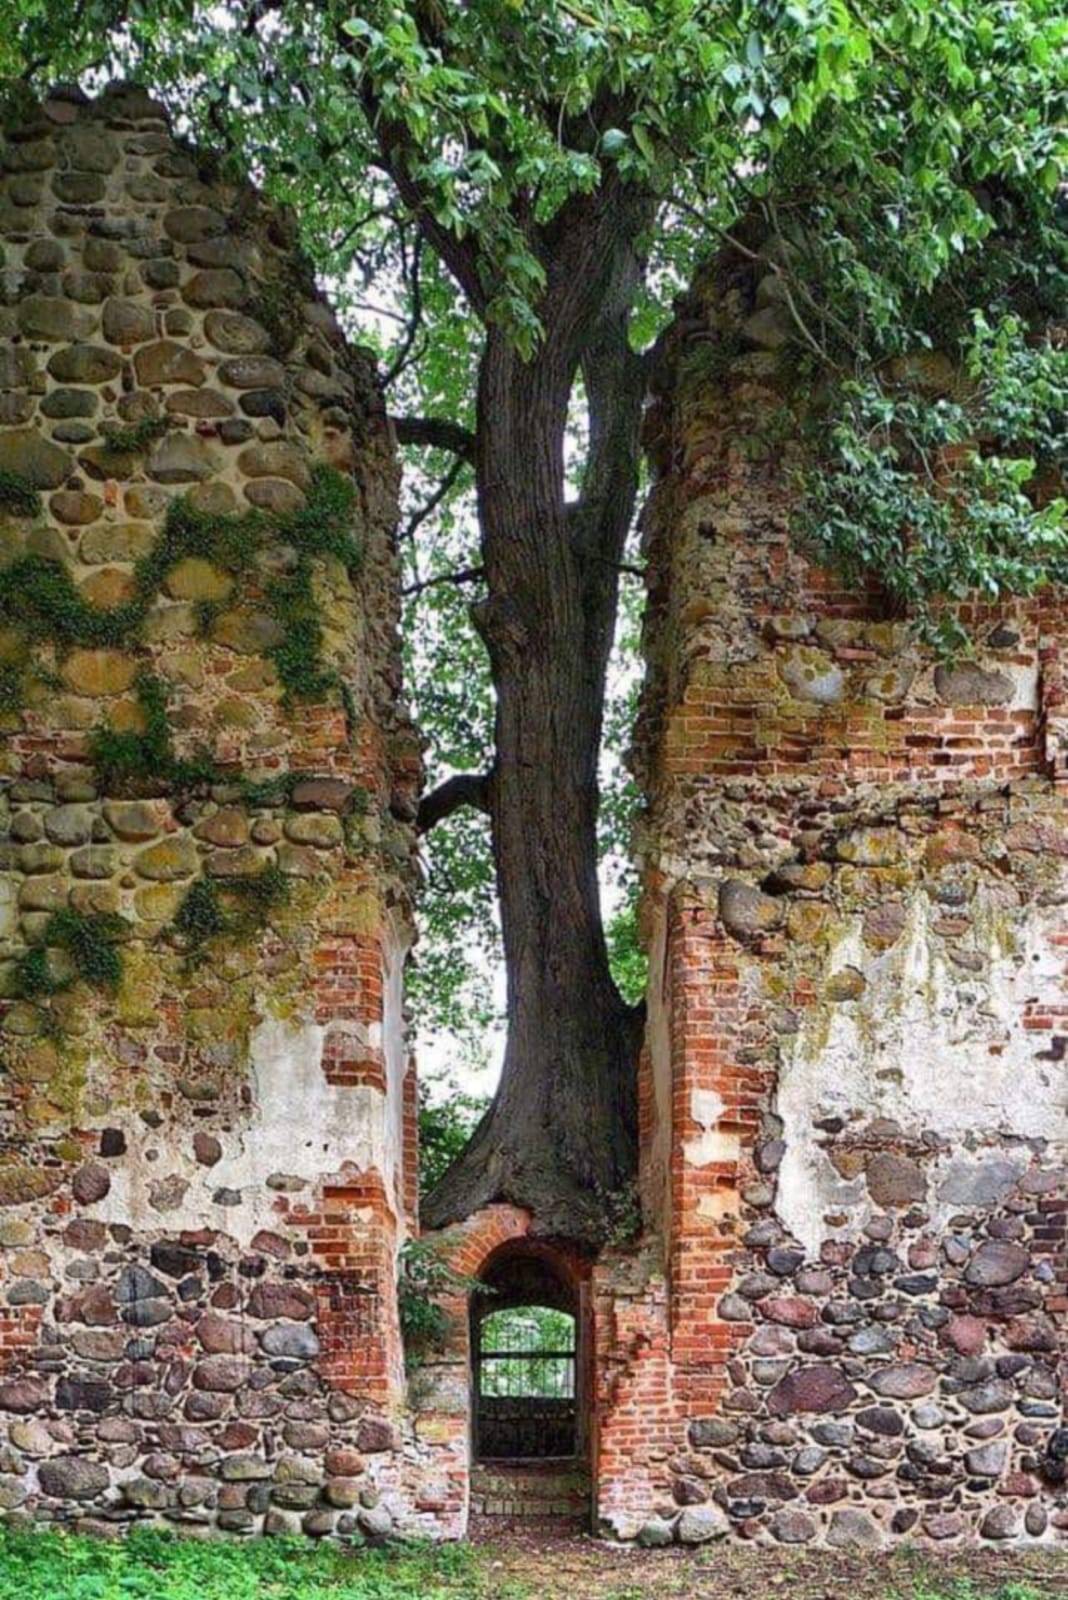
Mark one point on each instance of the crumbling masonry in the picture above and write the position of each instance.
(845, 1320)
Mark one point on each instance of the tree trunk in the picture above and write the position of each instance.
(561, 1132)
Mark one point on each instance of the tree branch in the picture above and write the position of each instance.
(437, 433)
(415, 321)
(465, 575)
(465, 789)
(417, 518)
(396, 148)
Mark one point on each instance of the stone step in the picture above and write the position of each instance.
(537, 1489)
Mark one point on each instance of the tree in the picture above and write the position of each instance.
(532, 179)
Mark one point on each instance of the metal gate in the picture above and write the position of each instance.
(525, 1399)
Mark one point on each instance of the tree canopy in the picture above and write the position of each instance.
(506, 196)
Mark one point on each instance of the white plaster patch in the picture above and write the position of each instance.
(926, 1044)
(712, 1143)
(297, 1123)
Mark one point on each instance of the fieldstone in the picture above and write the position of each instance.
(196, 579)
(252, 372)
(207, 403)
(74, 507)
(83, 1394)
(966, 1335)
(279, 459)
(64, 404)
(712, 1432)
(235, 334)
(27, 453)
(166, 362)
(222, 1374)
(792, 1527)
(873, 1341)
(789, 1311)
(191, 224)
(655, 1533)
(1036, 1520)
(907, 1381)
(883, 925)
(99, 673)
(995, 1263)
(90, 1183)
(853, 1530)
(816, 1388)
(90, 149)
(321, 794)
(942, 1525)
(970, 685)
(894, 1180)
(132, 820)
(373, 1435)
(49, 317)
(701, 1524)
(24, 1396)
(987, 1460)
(746, 911)
(999, 1523)
(979, 1184)
(870, 847)
(983, 1399)
(810, 674)
(215, 287)
(221, 1335)
(172, 858)
(85, 363)
(246, 1469)
(181, 458)
(72, 1478)
(293, 1340)
(273, 1300)
(146, 1494)
(98, 1344)
(167, 1194)
(322, 832)
(128, 322)
(848, 983)
(207, 1149)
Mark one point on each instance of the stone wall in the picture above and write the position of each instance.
(206, 788)
(855, 1088)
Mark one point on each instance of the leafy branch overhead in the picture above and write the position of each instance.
(506, 196)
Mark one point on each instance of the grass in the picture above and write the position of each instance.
(152, 1565)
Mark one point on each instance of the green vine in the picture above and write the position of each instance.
(135, 438)
(18, 495)
(89, 942)
(238, 910)
(125, 758)
(425, 1278)
(39, 599)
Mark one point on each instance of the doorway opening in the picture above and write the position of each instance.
(529, 1386)
(526, 1390)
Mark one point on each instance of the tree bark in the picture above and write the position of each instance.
(560, 1134)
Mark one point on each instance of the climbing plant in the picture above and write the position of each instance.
(40, 602)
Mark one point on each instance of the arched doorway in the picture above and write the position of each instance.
(529, 1385)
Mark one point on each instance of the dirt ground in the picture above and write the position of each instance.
(576, 1567)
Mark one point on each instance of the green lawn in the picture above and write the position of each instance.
(154, 1566)
(150, 1565)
